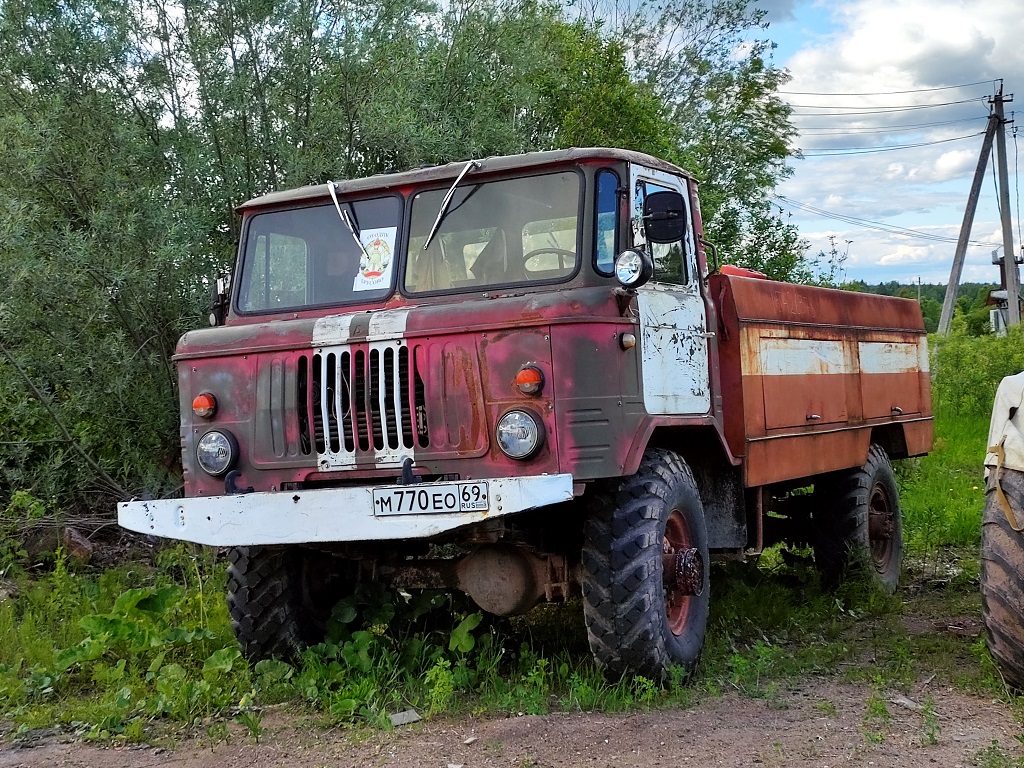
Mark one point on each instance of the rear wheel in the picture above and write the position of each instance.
(1002, 571)
(645, 571)
(858, 523)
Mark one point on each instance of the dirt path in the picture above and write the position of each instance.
(820, 722)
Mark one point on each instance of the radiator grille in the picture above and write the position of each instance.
(368, 399)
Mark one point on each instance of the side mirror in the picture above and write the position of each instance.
(220, 298)
(664, 217)
(633, 268)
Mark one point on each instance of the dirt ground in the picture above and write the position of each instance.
(819, 722)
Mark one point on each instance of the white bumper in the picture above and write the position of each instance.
(327, 514)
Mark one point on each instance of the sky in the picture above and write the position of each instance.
(847, 61)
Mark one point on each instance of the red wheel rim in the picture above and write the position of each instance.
(677, 605)
(881, 529)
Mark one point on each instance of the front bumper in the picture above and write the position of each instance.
(323, 515)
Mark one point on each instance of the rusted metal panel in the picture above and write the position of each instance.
(919, 436)
(791, 457)
(773, 302)
(804, 400)
(599, 403)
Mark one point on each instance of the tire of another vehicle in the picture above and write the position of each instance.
(1002, 579)
(265, 599)
(636, 623)
(858, 523)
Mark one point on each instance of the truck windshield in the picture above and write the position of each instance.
(307, 256)
(497, 233)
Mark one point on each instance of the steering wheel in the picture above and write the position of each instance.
(555, 251)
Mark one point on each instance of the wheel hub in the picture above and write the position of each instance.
(880, 522)
(684, 572)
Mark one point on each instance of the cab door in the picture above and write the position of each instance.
(673, 319)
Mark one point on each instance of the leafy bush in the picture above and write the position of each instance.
(967, 369)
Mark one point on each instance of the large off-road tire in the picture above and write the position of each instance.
(1002, 579)
(859, 527)
(265, 598)
(645, 571)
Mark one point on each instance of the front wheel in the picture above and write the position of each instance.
(645, 571)
(280, 598)
(858, 522)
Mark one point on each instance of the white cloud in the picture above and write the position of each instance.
(953, 164)
(879, 47)
(906, 255)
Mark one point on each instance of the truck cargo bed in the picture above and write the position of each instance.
(811, 376)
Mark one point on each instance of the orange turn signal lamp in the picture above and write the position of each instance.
(204, 405)
(530, 380)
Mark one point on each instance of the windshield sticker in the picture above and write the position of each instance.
(375, 264)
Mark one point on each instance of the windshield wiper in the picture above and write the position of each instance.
(347, 220)
(448, 201)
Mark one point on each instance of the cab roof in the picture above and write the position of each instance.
(438, 173)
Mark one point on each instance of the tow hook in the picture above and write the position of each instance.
(407, 477)
(230, 488)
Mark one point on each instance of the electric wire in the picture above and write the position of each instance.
(887, 93)
(1016, 180)
(858, 112)
(890, 129)
(995, 183)
(894, 107)
(867, 150)
(875, 225)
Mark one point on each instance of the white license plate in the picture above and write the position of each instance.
(433, 498)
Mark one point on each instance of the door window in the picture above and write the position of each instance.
(673, 262)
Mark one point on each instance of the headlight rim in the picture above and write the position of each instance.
(644, 268)
(538, 423)
(232, 443)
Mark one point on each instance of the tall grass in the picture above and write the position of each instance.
(943, 493)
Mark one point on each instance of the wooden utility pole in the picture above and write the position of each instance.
(1011, 277)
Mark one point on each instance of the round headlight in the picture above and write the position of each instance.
(633, 268)
(519, 434)
(216, 452)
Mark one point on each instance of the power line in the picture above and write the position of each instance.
(885, 106)
(1016, 179)
(867, 150)
(887, 93)
(859, 111)
(875, 225)
(888, 129)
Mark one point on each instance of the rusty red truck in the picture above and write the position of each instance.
(526, 359)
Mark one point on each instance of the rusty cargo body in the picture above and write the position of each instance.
(811, 377)
(528, 359)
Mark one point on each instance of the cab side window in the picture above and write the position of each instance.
(673, 262)
(606, 221)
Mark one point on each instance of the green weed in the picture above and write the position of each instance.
(932, 727)
(993, 756)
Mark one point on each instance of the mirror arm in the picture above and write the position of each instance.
(708, 245)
